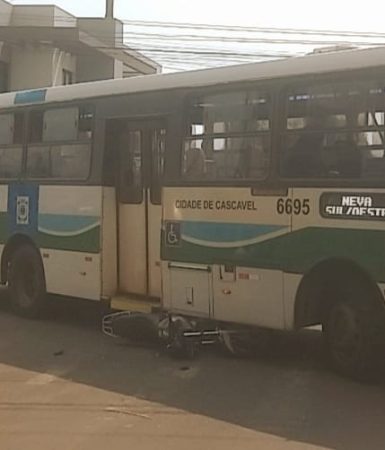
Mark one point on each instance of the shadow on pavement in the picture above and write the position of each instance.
(288, 393)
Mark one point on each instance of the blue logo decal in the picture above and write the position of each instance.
(36, 96)
(23, 205)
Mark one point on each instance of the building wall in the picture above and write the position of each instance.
(109, 31)
(94, 67)
(29, 60)
(5, 19)
(39, 66)
(41, 16)
(5, 13)
(118, 69)
(30, 67)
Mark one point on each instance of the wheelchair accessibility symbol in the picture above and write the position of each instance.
(173, 234)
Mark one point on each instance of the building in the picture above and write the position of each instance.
(46, 46)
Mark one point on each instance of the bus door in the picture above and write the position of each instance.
(141, 150)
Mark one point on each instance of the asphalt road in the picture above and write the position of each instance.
(63, 385)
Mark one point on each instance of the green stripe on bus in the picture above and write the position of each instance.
(88, 242)
(4, 229)
(295, 252)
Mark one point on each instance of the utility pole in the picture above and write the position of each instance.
(109, 9)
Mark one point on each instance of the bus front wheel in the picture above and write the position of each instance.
(26, 282)
(355, 337)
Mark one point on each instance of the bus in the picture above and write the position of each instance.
(249, 196)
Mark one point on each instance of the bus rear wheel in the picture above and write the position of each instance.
(26, 282)
(355, 337)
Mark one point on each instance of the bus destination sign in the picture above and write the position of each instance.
(363, 206)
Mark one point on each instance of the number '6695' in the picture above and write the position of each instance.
(294, 206)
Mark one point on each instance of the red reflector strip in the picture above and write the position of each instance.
(243, 276)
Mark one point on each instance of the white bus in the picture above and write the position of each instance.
(251, 195)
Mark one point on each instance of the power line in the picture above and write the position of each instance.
(207, 44)
(219, 27)
(303, 31)
(174, 50)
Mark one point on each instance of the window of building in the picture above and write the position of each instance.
(67, 77)
(335, 131)
(228, 137)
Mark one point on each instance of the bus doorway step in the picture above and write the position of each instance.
(134, 303)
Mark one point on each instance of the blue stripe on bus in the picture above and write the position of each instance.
(34, 96)
(66, 222)
(226, 232)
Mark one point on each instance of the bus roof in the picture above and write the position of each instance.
(304, 65)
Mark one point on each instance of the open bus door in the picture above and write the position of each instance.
(140, 166)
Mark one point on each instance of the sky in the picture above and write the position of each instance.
(341, 15)
(320, 14)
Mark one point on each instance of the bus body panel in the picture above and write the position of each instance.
(187, 289)
(69, 230)
(64, 222)
(72, 274)
(227, 230)
(257, 248)
(253, 296)
(331, 232)
(132, 249)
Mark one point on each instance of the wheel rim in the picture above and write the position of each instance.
(344, 334)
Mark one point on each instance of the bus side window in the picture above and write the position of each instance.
(11, 139)
(130, 167)
(38, 161)
(35, 133)
(228, 137)
(335, 131)
(38, 154)
(11, 128)
(317, 143)
(61, 124)
(57, 143)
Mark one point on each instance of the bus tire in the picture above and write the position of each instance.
(26, 282)
(354, 332)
